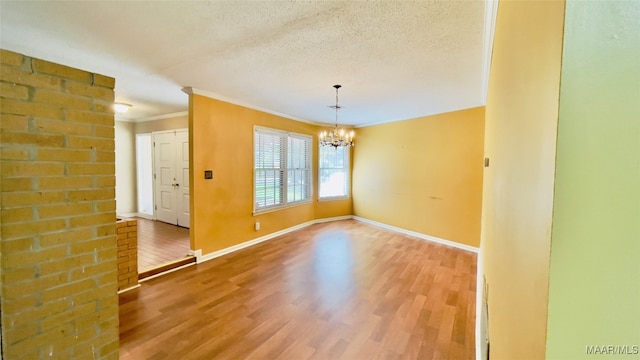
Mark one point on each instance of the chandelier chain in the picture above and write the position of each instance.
(337, 137)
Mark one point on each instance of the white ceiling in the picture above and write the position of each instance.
(395, 60)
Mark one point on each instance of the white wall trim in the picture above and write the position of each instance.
(212, 95)
(335, 218)
(127, 215)
(136, 214)
(160, 117)
(490, 15)
(166, 272)
(128, 289)
(419, 235)
(145, 216)
(453, 109)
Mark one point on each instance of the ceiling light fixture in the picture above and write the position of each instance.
(336, 137)
(121, 108)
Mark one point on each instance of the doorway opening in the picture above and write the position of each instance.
(162, 160)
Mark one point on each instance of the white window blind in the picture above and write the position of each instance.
(334, 172)
(282, 168)
(299, 169)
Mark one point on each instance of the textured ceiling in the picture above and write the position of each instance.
(396, 60)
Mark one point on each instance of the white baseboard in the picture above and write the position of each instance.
(145, 216)
(335, 218)
(136, 214)
(419, 235)
(127, 215)
(129, 288)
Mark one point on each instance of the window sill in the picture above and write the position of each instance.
(278, 208)
(334, 198)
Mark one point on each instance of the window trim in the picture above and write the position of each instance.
(286, 204)
(348, 176)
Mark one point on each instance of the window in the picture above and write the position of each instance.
(282, 168)
(334, 172)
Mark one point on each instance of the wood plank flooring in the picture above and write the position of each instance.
(160, 243)
(339, 290)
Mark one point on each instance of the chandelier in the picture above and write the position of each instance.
(336, 137)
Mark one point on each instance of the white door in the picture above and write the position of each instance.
(171, 164)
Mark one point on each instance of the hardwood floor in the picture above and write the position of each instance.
(339, 290)
(160, 243)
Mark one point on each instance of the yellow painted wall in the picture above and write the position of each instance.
(423, 175)
(221, 135)
(594, 294)
(520, 138)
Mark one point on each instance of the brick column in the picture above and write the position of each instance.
(59, 267)
(127, 230)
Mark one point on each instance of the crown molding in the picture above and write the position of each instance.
(194, 91)
(490, 14)
(160, 117)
